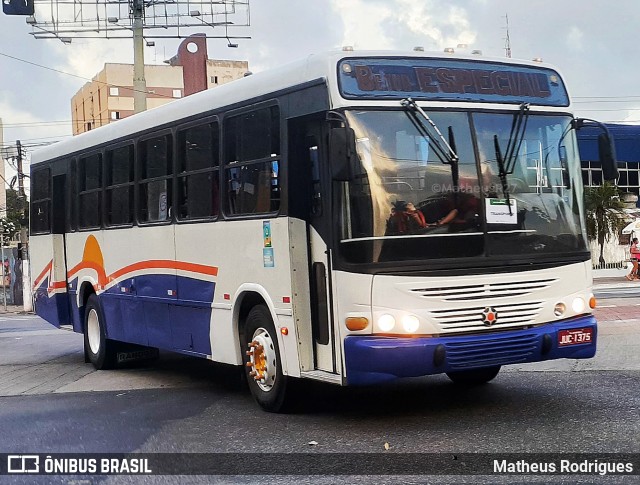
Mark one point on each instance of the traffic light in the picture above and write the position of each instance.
(18, 7)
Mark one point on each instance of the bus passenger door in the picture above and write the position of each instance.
(59, 263)
(309, 202)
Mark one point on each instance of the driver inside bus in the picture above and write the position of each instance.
(405, 218)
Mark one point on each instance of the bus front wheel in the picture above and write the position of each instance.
(474, 377)
(100, 351)
(262, 360)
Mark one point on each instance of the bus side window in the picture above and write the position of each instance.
(198, 171)
(155, 169)
(41, 201)
(90, 192)
(252, 162)
(119, 186)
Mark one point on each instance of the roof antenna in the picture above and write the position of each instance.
(507, 41)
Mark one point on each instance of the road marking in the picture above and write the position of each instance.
(607, 306)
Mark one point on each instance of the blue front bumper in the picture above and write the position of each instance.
(372, 359)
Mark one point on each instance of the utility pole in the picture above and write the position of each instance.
(26, 279)
(139, 82)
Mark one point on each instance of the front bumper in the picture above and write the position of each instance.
(371, 359)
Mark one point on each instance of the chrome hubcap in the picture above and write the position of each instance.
(262, 359)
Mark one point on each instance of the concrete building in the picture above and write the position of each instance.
(109, 96)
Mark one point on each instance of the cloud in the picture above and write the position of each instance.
(402, 24)
(575, 38)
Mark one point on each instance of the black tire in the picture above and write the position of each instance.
(270, 392)
(474, 377)
(100, 351)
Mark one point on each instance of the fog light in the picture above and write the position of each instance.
(386, 322)
(578, 305)
(559, 309)
(410, 323)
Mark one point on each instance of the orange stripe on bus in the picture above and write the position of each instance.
(44, 273)
(102, 276)
(57, 285)
(165, 264)
(103, 280)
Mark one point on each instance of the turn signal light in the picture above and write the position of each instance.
(356, 323)
(592, 302)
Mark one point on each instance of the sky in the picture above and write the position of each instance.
(594, 45)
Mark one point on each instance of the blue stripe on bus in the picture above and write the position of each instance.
(371, 359)
(54, 309)
(144, 313)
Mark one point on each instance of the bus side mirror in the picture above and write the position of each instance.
(607, 156)
(606, 148)
(341, 152)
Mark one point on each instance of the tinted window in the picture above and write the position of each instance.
(90, 193)
(155, 179)
(252, 159)
(198, 173)
(41, 200)
(119, 193)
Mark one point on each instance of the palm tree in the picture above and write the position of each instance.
(603, 204)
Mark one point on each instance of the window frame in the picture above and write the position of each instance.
(209, 120)
(80, 178)
(225, 165)
(140, 182)
(47, 200)
(110, 186)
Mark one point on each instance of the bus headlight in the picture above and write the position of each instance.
(410, 323)
(578, 305)
(559, 309)
(386, 322)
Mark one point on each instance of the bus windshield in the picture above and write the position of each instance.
(516, 189)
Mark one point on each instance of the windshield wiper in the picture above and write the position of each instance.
(444, 150)
(518, 129)
(502, 172)
(507, 164)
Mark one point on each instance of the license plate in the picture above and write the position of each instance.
(575, 337)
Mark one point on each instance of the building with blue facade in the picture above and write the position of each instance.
(627, 142)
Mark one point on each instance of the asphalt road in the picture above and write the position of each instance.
(52, 402)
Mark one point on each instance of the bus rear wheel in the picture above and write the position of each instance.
(262, 360)
(100, 351)
(474, 377)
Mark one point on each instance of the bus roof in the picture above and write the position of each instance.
(313, 67)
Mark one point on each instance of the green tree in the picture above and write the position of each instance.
(16, 206)
(603, 206)
(7, 230)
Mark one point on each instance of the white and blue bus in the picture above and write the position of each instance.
(350, 218)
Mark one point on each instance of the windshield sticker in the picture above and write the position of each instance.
(451, 80)
(497, 211)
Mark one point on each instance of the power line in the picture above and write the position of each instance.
(79, 77)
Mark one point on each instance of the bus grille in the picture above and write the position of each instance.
(490, 351)
(468, 318)
(489, 290)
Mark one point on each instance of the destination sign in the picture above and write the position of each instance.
(450, 80)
